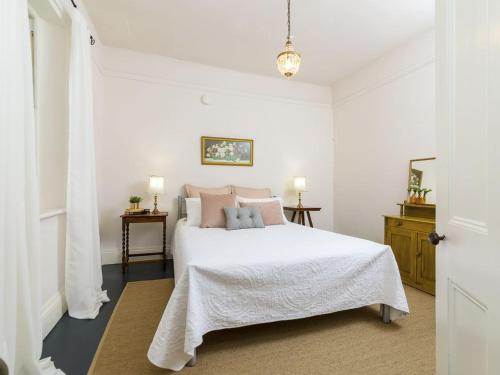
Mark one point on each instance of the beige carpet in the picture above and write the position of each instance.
(348, 343)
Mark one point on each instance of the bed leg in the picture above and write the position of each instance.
(192, 361)
(385, 311)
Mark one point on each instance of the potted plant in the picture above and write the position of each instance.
(134, 201)
(426, 191)
(413, 198)
(420, 199)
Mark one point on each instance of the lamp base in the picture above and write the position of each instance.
(156, 211)
(300, 201)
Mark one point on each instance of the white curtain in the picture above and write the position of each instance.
(84, 292)
(20, 294)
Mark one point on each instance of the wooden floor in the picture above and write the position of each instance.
(73, 342)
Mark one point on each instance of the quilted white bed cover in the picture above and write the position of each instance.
(228, 279)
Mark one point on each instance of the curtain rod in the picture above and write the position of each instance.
(92, 40)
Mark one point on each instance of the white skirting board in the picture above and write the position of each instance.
(114, 256)
(52, 311)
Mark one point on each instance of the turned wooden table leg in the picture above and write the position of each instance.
(165, 244)
(126, 246)
(293, 216)
(123, 246)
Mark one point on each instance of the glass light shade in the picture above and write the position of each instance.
(299, 183)
(288, 62)
(156, 185)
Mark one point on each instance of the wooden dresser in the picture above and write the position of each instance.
(407, 234)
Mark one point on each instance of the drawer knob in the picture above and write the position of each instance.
(435, 238)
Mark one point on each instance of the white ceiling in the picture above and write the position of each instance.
(335, 37)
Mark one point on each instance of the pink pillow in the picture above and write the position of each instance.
(194, 191)
(270, 211)
(212, 209)
(251, 192)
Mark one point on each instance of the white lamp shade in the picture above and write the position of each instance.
(299, 183)
(156, 185)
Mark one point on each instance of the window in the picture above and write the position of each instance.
(50, 46)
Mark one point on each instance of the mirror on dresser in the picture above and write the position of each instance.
(422, 181)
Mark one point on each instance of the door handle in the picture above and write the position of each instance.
(3, 367)
(434, 238)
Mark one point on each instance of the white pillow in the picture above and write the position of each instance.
(257, 200)
(193, 212)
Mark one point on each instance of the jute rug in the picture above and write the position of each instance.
(344, 343)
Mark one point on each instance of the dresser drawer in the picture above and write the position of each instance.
(411, 225)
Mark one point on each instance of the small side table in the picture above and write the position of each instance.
(146, 218)
(300, 211)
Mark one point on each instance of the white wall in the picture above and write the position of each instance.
(384, 115)
(53, 239)
(153, 120)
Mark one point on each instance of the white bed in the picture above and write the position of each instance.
(227, 279)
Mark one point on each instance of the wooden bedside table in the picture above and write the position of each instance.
(300, 211)
(145, 218)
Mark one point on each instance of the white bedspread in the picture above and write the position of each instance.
(227, 279)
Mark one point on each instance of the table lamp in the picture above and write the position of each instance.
(156, 187)
(299, 184)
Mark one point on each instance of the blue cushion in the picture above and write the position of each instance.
(243, 218)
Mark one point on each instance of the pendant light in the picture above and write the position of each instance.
(288, 61)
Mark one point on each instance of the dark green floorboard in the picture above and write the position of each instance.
(73, 342)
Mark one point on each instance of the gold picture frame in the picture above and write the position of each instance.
(227, 151)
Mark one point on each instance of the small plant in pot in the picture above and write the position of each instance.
(413, 198)
(134, 201)
(426, 191)
(419, 195)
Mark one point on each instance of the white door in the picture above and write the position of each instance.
(468, 260)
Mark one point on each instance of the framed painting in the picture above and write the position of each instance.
(226, 151)
(415, 178)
